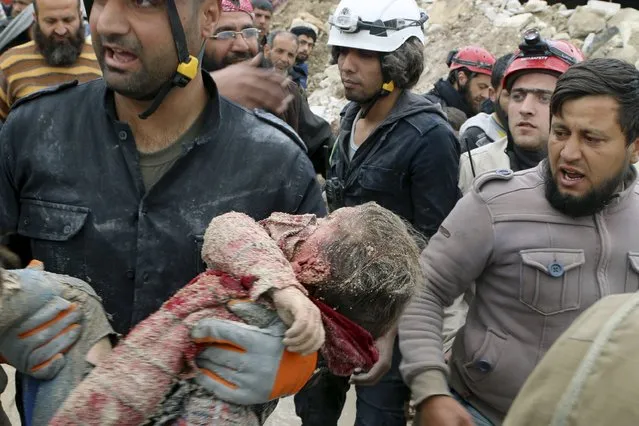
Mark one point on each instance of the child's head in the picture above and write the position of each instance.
(373, 261)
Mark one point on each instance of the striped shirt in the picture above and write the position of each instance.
(23, 71)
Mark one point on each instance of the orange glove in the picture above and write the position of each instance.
(246, 364)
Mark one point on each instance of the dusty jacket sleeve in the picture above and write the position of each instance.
(466, 175)
(8, 191)
(454, 257)
(434, 174)
(236, 244)
(308, 189)
(316, 133)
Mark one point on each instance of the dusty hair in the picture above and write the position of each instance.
(374, 268)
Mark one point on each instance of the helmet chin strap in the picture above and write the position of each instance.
(387, 89)
(188, 65)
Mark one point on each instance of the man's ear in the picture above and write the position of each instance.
(267, 50)
(634, 151)
(210, 11)
(462, 78)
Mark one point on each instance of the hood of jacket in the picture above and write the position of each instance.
(407, 104)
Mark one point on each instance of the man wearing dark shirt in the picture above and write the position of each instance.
(119, 192)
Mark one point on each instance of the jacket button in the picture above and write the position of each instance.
(555, 269)
(130, 274)
(67, 229)
(145, 276)
(483, 366)
(26, 221)
(123, 135)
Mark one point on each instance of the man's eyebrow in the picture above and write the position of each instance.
(532, 90)
(593, 132)
(224, 28)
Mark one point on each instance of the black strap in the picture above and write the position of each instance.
(164, 90)
(178, 32)
(179, 39)
(470, 158)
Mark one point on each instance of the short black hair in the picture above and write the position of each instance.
(262, 5)
(453, 76)
(403, 66)
(602, 77)
(499, 69)
(305, 31)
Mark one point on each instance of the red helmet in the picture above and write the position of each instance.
(536, 54)
(473, 58)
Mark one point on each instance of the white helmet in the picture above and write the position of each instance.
(376, 25)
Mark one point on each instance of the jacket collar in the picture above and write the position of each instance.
(407, 104)
(212, 109)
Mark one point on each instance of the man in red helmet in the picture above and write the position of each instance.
(530, 80)
(541, 246)
(467, 86)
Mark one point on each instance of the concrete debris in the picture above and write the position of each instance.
(535, 6)
(600, 28)
(605, 8)
(585, 21)
(516, 21)
(514, 7)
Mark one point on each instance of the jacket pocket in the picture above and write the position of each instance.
(550, 279)
(632, 272)
(380, 179)
(43, 220)
(54, 231)
(485, 359)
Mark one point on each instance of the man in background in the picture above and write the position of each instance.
(232, 54)
(263, 13)
(57, 54)
(280, 51)
(306, 39)
(467, 85)
(485, 128)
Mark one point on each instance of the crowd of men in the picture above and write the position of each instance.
(118, 149)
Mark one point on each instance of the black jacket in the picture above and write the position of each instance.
(453, 104)
(409, 164)
(70, 182)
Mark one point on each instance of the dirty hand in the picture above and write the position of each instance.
(385, 345)
(245, 364)
(442, 410)
(254, 87)
(306, 332)
(38, 327)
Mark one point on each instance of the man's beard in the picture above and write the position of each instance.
(60, 53)
(465, 93)
(501, 114)
(210, 64)
(586, 205)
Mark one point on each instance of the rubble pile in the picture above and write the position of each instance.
(599, 28)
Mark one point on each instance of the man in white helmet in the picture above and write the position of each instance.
(395, 148)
